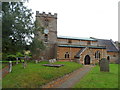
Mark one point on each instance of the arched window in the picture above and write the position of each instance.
(46, 23)
(46, 38)
(66, 55)
(97, 54)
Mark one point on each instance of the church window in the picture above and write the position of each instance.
(46, 23)
(46, 38)
(66, 55)
(97, 54)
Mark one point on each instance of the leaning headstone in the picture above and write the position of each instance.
(17, 60)
(50, 61)
(10, 66)
(54, 60)
(42, 58)
(104, 65)
(36, 61)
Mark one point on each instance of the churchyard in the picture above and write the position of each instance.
(35, 74)
(27, 48)
(97, 79)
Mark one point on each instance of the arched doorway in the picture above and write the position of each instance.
(108, 58)
(87, 60)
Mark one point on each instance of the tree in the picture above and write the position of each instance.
(37, 45)
(17, 27)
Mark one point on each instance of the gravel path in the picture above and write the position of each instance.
(76, 77)
(70, 80)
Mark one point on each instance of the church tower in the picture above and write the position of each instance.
(49, 35)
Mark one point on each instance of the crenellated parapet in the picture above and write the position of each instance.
(43, 14)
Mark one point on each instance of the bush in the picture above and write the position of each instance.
(19, 54)
(11, 57)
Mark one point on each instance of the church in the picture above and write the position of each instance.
(77, 49)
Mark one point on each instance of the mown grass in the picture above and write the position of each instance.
(35, 75)
(97, 79)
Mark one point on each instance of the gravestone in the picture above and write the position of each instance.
(42, 58)
(54, 60)
(10, 66)
(104, 65)
(17, 60)
(36, 61)
(49, 61)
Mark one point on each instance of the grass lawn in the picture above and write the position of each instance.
(35, 75)
(97, 79)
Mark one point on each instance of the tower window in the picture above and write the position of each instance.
(46, 23)
(46, 38)
(66, 55)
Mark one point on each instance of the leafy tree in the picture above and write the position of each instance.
(17, 27)
(37, 46)
(18, 30)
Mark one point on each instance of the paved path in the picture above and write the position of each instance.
(70, 80)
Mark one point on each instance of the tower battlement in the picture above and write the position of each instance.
(43, 14)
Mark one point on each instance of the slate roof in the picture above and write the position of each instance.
(110, 45)
(78, 54)
(78, 46)
(76, 38)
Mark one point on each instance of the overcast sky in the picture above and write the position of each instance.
(82, 18)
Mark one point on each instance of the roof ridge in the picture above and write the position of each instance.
(114, 45)
(73, 36)
(79, 38)
(104, 39)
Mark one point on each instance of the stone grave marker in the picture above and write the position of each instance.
(50, 61)
(54, 60)
(17, 60)
(10, 66)
(104, 65)
(36, 61)
(42, 58)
